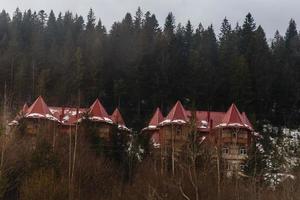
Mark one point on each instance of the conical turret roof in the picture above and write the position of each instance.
(39, 109)
(156, 118)
(98, 113)
(117, 117)
(232, 118)
(176, 115)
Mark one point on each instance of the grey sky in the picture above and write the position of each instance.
(271, 14)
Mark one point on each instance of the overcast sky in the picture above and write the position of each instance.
(271, 14)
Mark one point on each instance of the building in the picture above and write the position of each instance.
(231, 133)
(39, 117)
(152, 130)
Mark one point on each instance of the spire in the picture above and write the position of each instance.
(117, 117)
(177, 113)
(39, 109)
(233, 117)
(156, 118)
(98, 113)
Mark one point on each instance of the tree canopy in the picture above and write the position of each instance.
(138, 65)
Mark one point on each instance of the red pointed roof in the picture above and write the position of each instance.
(233, 117)
(98, 113)
(247, 121)
(39, 109)
(156, 118)
(177, 114)
(117, 117)
(98, 110)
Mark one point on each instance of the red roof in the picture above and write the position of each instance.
(98, 113)
(207, 116)
(205, 120)
(68, 116)
(117, 117)
(177, 113)
(233, 118)
(156, 118)
(247, 121)
(97, 110)
(38, 107)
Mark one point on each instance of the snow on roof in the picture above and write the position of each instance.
(233, 118)
(39, 109)
(98, 110)
(177, 115)
(98, 113)
(205, 120)
(118, 119)
(156, 119)
(64, 115)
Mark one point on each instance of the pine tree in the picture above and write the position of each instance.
(90, 25)
(138, 19)
(291, 33)
(247, 36)
(169, 26)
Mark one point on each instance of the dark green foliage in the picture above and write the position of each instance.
(137, 65)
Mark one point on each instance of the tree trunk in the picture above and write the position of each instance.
(173, 151)
(74, 153)
(70, 162)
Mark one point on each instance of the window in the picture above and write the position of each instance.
(225, 150)
(243, 151)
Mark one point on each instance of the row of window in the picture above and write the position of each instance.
(234, 167)
(235, 134)
(242, 150)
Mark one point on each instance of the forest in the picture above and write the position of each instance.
(138, 65)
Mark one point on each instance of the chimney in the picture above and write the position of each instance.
(208, 117)
(62, 113)
(210, 124)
